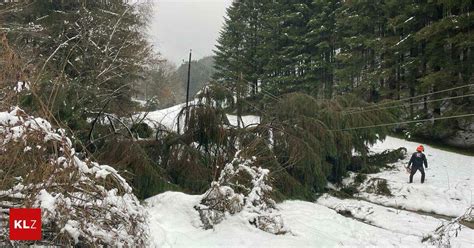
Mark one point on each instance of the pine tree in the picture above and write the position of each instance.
(359, 25)
(238, 50)
(321, 39)
(377, 50)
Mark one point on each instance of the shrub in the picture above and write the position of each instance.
(83, 203)
(221, 199)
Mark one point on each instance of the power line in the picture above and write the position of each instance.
(267, 93)
(387, 124)
(405, 122)
(414, 97)
(406, 105)
(375, 106)
(378, 125)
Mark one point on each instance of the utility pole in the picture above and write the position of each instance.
(187, 89)
(239, 102)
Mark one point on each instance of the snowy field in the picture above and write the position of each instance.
(375, 220)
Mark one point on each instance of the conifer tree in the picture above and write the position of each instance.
(378, 50)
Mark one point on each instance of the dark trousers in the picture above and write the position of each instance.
(413, 171)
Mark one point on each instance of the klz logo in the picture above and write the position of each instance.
(25, 224)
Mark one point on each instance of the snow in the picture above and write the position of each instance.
(409, 19)
(8, 119)
(46, 201)
(174, 223)
(375, 219)
(448, 188)
(402, 40)
(253, 203)
(141, 103)
(401, 221)
(169, 117)
(27, 149)
(72, 228)
(247, 120)
(166, 117)
(20, 86)
(77, 207)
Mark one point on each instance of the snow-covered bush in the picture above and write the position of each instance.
(244, 188)
(83, 203)
(217, 202)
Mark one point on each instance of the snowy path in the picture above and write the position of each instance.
(447, 191)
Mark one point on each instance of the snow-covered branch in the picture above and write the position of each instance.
(83, 203)
(441, 237)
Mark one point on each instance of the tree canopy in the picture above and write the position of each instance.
(377, 50)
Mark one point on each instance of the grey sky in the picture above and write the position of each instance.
(180, 25)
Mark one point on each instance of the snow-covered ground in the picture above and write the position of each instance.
(397, 221)
(373, 222)
(448, 188)
(168, 117)
(174, 223)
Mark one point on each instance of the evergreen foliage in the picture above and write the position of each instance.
(136, 162)
(302, 147)
(376, 50)
(241, 186)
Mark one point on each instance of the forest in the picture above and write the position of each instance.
(80, 83)
(415, 50)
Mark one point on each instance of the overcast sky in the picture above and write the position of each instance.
(180, 25)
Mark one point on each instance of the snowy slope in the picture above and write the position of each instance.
(174, 222)
(168, 117)
(448, 189)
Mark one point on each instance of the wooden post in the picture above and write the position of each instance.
(239, 101)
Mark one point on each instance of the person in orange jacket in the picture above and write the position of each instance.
(418, 159)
